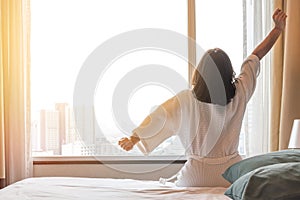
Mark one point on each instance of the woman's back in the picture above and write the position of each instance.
(211, 137)
(212, 130)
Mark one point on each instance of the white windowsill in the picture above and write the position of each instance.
(44, 160)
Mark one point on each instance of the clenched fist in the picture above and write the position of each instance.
(128, 143)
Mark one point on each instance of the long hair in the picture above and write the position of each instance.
(214, 73)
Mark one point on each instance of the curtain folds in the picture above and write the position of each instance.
(257, 24)
(285, 72)
(15, 159)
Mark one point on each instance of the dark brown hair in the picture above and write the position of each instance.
(213, 75)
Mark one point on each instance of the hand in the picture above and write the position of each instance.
(279, 18)
(126, 143)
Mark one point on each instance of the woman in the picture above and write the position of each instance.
(207, 118)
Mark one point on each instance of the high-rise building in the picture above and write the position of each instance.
(72, 134)
(49, 129)
(84, 121)
(63, 122)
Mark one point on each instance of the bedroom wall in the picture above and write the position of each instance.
(155, 171)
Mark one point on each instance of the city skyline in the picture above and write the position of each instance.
(57, 132)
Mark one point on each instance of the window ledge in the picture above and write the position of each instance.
(57, 160)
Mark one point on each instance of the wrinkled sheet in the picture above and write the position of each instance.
(63, 188)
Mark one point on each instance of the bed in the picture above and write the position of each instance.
(66, 188)
(274, 175)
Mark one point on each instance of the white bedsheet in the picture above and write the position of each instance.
(62, 188)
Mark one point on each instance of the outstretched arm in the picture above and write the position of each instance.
(279, 18)
(161, 124)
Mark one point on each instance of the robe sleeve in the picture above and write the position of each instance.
(249, 71)
(161, 124)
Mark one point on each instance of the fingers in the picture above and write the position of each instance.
(279, 18)
(122, 140)
(279, 14)
(276, 11)
(282, 16)
(126, 144)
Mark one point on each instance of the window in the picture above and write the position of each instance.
(66, 32)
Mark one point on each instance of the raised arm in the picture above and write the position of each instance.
(279, 18)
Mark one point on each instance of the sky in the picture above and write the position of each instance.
(65, 32)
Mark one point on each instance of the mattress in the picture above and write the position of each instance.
(63, 188)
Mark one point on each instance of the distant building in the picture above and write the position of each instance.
(49, 129)
(55, 128)
(78, 148)
(73, 131)
(84, 125)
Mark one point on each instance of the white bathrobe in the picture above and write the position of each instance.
(208, 132)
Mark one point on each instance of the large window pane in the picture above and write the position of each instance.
(220, 25)
(64, 33)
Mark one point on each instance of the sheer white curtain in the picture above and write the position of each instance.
(257, 24)
(15, 161)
